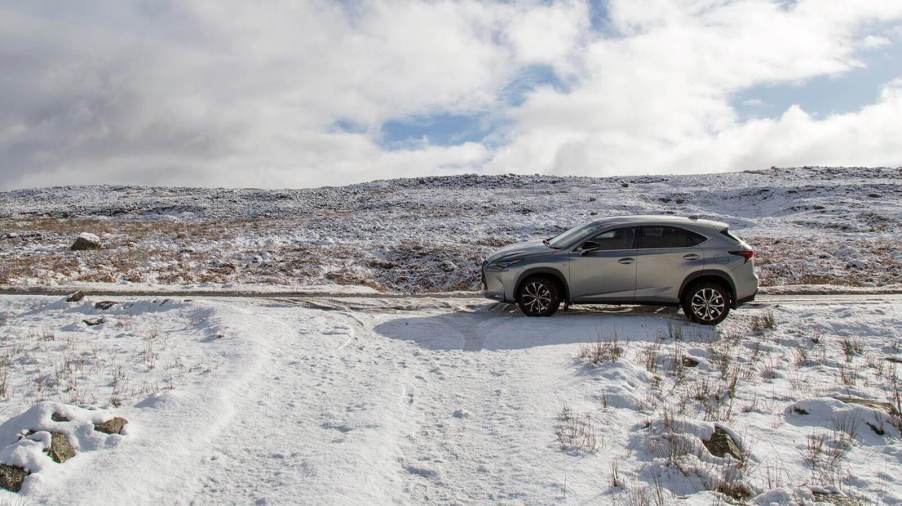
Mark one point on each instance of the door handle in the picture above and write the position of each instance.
(626, 261)
(691, 256)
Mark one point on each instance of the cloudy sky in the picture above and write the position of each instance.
(299, 93)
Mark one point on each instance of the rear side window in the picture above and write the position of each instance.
(668, 237)
(619, 238)
(727, 233)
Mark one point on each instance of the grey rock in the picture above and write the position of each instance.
(722, 444)
(76, 297)
(111, 426)
(11, 477)
(86, 242)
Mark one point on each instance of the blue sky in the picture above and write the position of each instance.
(445, 129)
(278, 94)
(827, 94)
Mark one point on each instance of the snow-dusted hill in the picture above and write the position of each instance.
(810, 225)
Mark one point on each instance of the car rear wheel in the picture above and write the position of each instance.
(539, 296)
(706, 303)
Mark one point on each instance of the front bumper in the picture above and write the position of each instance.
(493, 284)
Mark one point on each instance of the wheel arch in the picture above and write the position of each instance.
(549, 271)
(710, 275)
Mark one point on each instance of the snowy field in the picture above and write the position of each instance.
(810, 226)
(370, 401)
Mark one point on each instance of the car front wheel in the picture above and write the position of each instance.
(706, 303)
(539, 296)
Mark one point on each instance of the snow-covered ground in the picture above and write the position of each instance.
(368, 401)
(810, 226)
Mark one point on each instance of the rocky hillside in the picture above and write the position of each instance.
(811, 226)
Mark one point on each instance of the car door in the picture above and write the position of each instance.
(665, 255)
(603, 267)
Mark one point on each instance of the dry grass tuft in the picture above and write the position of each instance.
(576, 432)
(763, 321)
(608, 350)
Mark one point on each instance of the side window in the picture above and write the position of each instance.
(619, 238)
(693, 239)
(668, 237)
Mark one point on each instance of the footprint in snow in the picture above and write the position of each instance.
(344, 429)
(461, 413)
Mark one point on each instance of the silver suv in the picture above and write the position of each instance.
(660, 260)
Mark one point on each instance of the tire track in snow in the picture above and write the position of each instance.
(319, 426)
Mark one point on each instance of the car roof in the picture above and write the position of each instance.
(663, 219)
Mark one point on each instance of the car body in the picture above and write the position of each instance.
(629, 260)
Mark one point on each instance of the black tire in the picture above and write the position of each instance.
(707, 303)
(539, 296)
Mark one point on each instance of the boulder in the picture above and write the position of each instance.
(57, 417)
(104, 305)
(11, 477)
(722, 444)
(60, 449)
(90, 322)
(111, 426)
(76, 297)
(86, 241)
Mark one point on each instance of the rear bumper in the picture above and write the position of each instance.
(745, 299)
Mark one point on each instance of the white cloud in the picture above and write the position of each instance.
(874, 41)
(658, 99)
(248, 93)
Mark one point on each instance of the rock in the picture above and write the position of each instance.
(689, 361)
(86, 241)
(381, 264)
(56, 417)
(11, 477)
(104, 304)
(625, 185)
(60, 449)
(90, 322)
(76, 297)
(721, 444)
(111, 426)
(856, 264)
(886, 407)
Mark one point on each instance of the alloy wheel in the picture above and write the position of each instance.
(708, 304)
(536, 297)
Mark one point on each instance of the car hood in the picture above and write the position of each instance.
(519, 250)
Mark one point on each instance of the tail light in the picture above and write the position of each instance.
(747, 254)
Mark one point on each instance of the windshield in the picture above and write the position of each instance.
(572, 236)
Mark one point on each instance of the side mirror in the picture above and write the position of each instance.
(589, 246)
